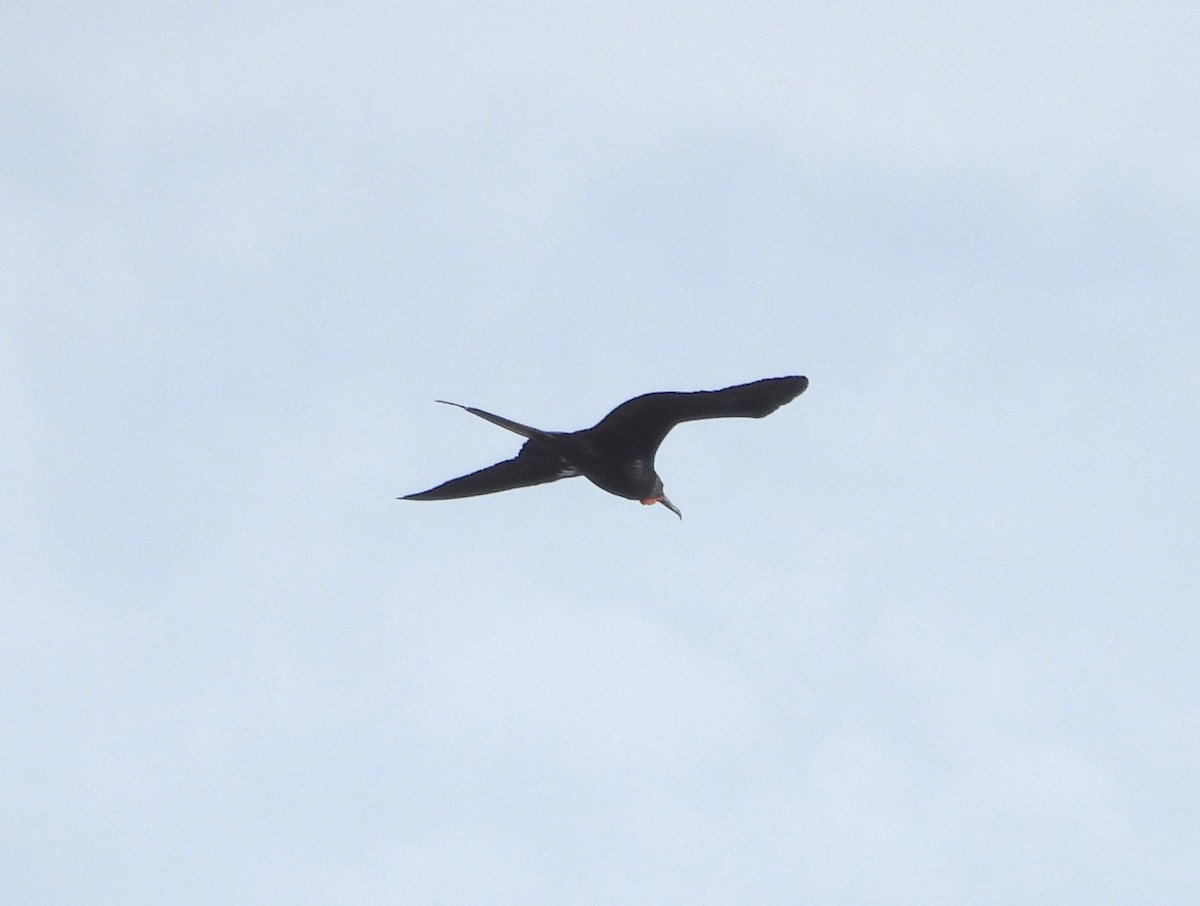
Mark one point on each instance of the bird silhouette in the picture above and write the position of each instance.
(617, 454)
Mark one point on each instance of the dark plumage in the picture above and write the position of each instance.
(617, 454)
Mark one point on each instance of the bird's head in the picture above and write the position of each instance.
(656, 495)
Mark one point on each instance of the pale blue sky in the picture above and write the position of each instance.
(926, 635)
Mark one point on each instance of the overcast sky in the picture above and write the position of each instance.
(929, 634)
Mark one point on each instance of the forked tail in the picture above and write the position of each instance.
(507, 423)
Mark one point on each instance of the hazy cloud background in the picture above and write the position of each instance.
(926, 635)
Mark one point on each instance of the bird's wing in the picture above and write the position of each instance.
(535, 464)
(639, 425)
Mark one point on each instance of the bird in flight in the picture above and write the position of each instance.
(617, 454)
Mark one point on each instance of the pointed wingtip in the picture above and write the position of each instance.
(799, 383)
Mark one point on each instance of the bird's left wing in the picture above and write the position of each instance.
(535, 464)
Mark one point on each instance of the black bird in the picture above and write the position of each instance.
(618, 453)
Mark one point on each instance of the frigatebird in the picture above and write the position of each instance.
(617, 454)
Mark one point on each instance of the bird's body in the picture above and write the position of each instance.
(617, 454)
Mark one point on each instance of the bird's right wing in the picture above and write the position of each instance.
(535, 464)
(639, 425)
